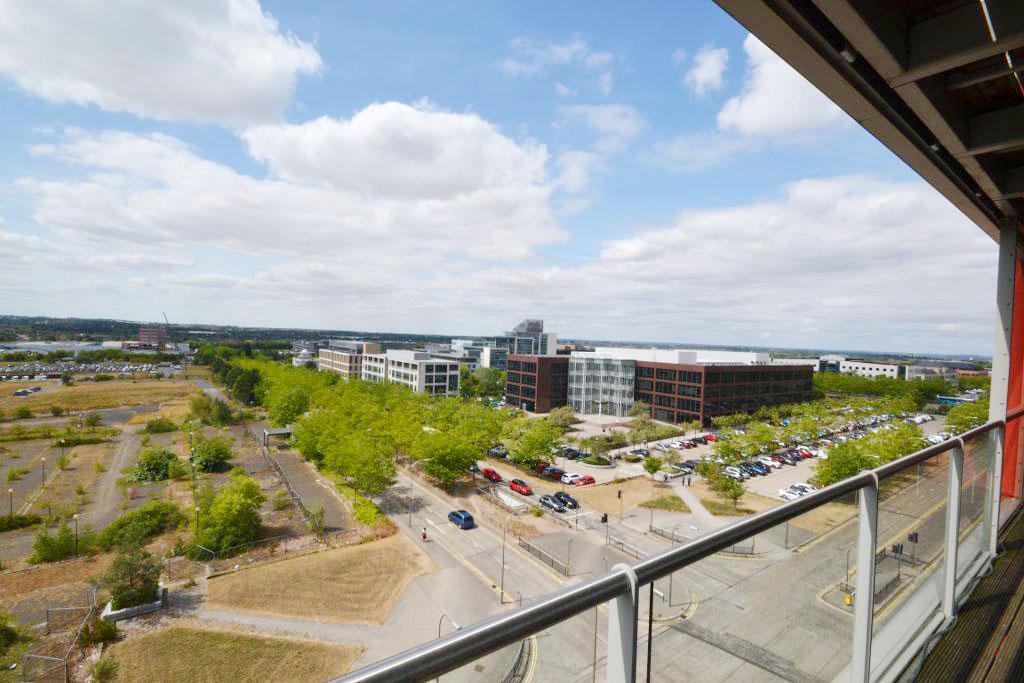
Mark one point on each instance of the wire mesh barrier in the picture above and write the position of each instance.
(49, 658)
(292, 493)
(891, 621)
(521, 665)
(544, 557)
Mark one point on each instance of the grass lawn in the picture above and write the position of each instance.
(19, 584)
(363, 583)
(747, 505)
(194, 654)
(604, 498)
(92, 395)
(670, 502)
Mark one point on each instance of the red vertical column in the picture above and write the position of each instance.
(1013, 451)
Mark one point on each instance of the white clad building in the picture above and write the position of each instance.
(418, 370)
(865, 369)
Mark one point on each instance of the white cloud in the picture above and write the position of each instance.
(605, 82)
(532, 57)
(709, 65)
(845, 262)
(223, 61)
(563, 90)
(697, 151)
(616, 124)
(776, 100)
(679, 56)
(328, 197)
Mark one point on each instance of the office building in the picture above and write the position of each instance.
(813, 363)
(418, 370)
(494, 358)
(943, 372)
(537, 383)
(863, 368)
(600, 384)
(527, 338)
(345, 357)
(152, 336)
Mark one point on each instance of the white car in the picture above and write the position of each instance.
(678, 445)
(788, 494)
(806, 488)
(570, 477)
(735, 473)
(663, 447)
(768, 462)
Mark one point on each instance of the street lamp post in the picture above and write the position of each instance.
(197, 520)
(455, 624)
(504, 528)
(75, 517)
(62, 449)
(43, 463)
(10, 494)
(568, 559)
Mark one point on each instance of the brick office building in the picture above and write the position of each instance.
(537, 383)
(682, 392)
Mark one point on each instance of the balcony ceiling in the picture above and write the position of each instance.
(937, 81)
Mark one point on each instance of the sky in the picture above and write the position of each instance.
(635, 171)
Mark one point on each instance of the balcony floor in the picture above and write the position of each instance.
(987, 641)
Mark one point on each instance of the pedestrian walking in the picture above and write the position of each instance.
(423, 534)
(688, 480)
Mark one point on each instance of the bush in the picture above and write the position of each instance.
(231, 517)
(104, 670)
(56, 411)
(135, 528)
(60, 546)
(536, 512)
(178, 470)
(63, 462)
(133, 578)
(98, 631)
(160, 425)
(22, 413)
(12, 522)
(281, 501)
(102, 378)
(93, 420)
(212, 455)
(15, 473)
(596, 460)
(366, 511)
(154, 464)
(9, 633)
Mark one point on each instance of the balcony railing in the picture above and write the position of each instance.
(884, 615)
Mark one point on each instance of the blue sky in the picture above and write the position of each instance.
(643, 172)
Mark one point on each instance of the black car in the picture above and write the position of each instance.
(692, 463)
(702, 440)
(552, 503)
(571, 453)
(566, 500)
(642, 452)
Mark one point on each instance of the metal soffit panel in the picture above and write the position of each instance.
(939, 82)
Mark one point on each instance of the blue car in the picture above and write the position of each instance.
(461, 519)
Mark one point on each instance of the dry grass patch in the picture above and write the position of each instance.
(62, 489)
(749, 504)
(19, 584)
(175, 410)
(193, 654)
(604, 497)
(93, 395)
(363, 583)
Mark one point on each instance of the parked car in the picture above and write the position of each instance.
(498, 451)
(787, 494)
(553, 473)
(806, 488)
(566, 500)
(710, 437)
(551, 503)
(678, 445)
(461, 519)
(663, 447)
(521, 487)
(683, 468)
(569, 477)
(768, 462)
(584, 480)
(571, 453)
(539, 467)
(642, 452)
(491, 474)
(734, 472)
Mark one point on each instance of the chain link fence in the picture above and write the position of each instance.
(50, 657)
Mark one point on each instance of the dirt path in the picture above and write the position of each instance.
(106, 502)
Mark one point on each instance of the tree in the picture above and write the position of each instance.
(67, 379)
(22, 413)
(56, 411)
(530, 439)
(640, 409)
(728, 489)
(133, 578)
(287, 407)
(652, 465)
(212, 455)
(154, 464)
(316, 520)
(968, 415)
(231, 517)
(469, 385)
(563, 417)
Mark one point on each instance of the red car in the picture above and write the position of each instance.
(585, 480)
(520, 486)
(711, 437)
(490, 473)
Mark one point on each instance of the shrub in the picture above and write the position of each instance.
(212, 455)
(9, 633)
(133, 578)
(67, 379)
(12, 522)
(98, 631)
(160, 425)
(22, 413)
(93, 420)
(366, 511)
(536, 512)
(281, 501)
(102, 378)
(138, 526)
(56, 411)
(231, 517)
(99, 468)
(49, 547)
(596, 460)
(154, 464)
(63, 462)
(104, 670)
(15, 473)
(177, 470)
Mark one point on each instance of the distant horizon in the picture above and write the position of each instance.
(567, 339)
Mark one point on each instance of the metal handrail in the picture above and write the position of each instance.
(459, 648)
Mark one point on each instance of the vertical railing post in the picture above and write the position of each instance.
(622, 624)
(864, 599)
(995, 482)
(999, 403)
(956, 477)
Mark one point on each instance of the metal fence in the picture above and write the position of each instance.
(628, 549)
(930, 604)
(49, 657)
(292, 493)
(544, 557)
